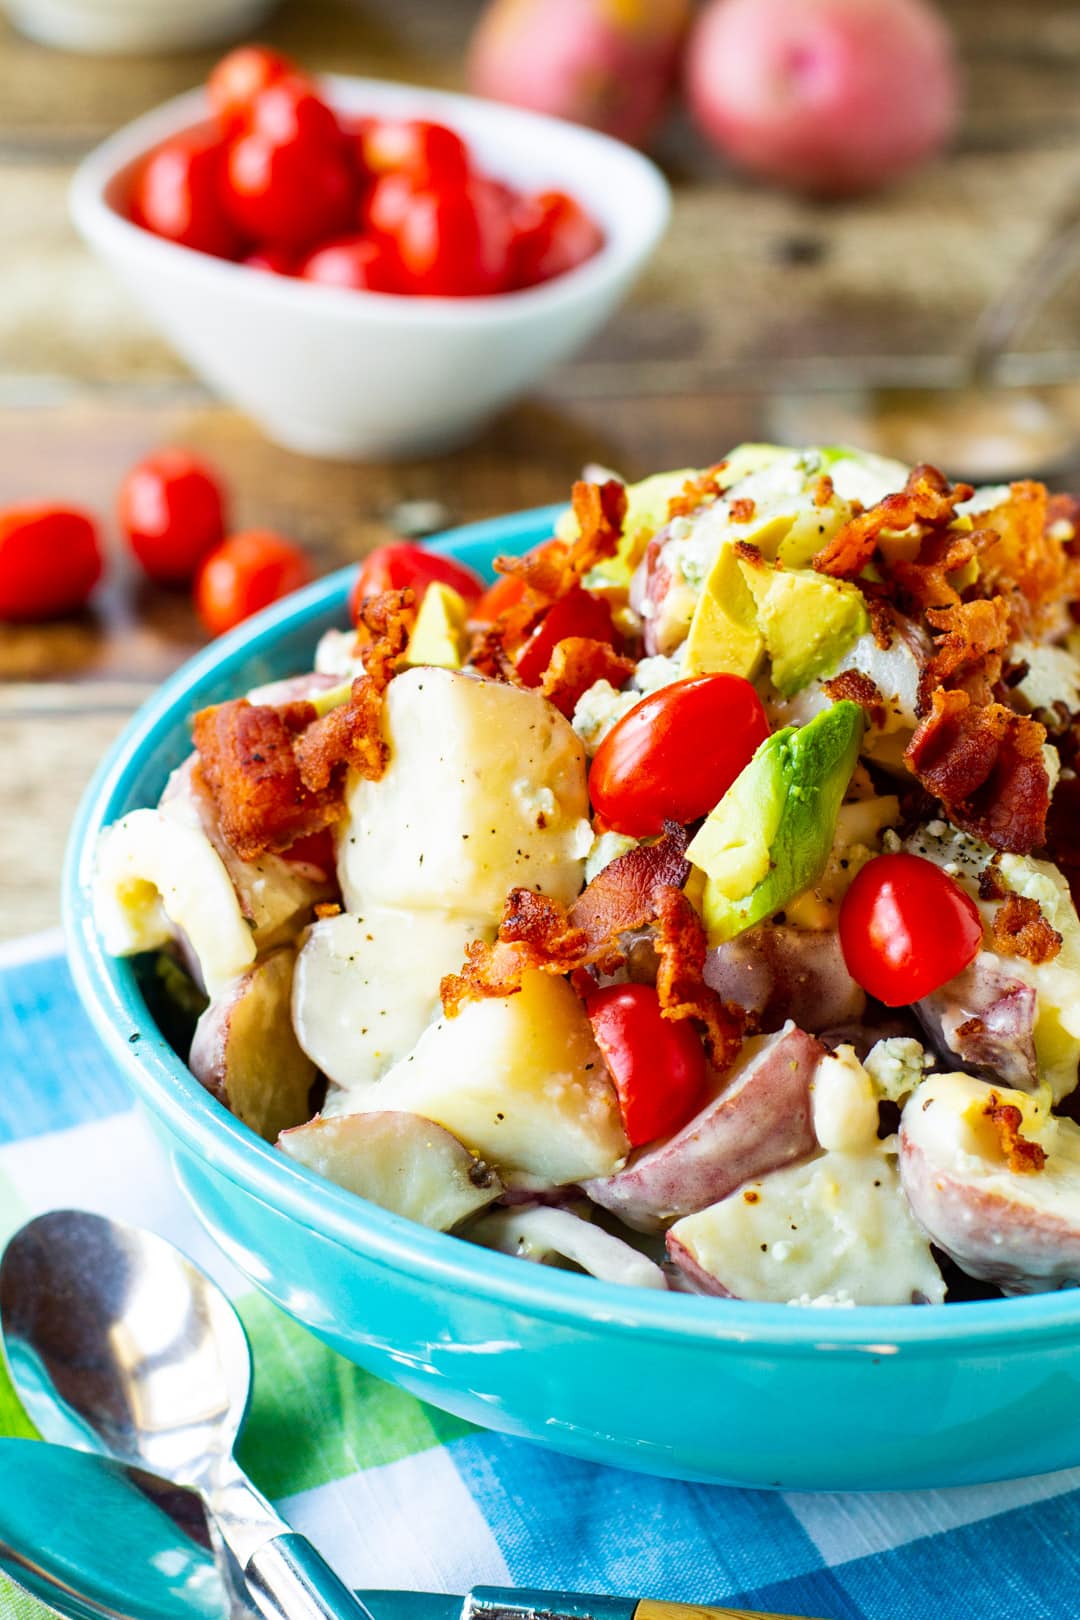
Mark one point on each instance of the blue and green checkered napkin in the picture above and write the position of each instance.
(398, 1495)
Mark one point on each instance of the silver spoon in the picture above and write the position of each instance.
(118, 1344)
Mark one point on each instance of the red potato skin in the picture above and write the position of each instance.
(1036, 1251)
(983, 1021)
(610, 64)
(656, 582)
(184, 784)
(779, 973)
(700, 1280)
(255, 1070)
(757, 1122)
(832, 97)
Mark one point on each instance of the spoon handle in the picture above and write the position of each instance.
(289, 1580)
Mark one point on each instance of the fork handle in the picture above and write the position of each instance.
(497, 1603)
(652, 1609)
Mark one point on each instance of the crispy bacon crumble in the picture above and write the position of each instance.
(1020, 929)
(1022, 1156)
(578, 662)
(639, 889)
(985, 764)
(247, 763)
(852, 686)
(550, 571)
(926, 499)
(680, 981)
(278, 774)
(697, 492)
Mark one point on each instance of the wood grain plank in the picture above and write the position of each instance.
(48, 762)
(79, 450)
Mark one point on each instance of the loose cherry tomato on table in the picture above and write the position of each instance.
(430, 154)
(403, 566)
(288, 194)
(178, 194)
(508, 589)
(552, 233)
(657, 1064)
(578, 613)
(676, 753)
(906, 928)
(245, 573)
(452, 242)
(363, 263)
(239, 77)
(50, 561)
(172, 512)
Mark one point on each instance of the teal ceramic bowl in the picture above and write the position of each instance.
(694, 1388)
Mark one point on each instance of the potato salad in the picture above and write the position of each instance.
(692, 907)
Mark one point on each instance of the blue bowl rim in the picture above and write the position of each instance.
(108, 991)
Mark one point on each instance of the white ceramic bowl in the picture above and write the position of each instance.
(350, 375)
(122, 27)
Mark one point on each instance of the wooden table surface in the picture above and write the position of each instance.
(754, 295)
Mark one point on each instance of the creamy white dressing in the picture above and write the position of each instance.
(1057, 1027)
(835, 1228)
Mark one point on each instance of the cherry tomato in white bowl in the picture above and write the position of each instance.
(334, 372)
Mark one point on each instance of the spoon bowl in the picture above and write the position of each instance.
(131, 1347)
(983, 434)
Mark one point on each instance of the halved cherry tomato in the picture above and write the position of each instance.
(676, 753)
(365, 263)
(403, 566)
(552, 234)
(172, 512)
(178, 194)
(508, 589)
(287, 194)
(245, 573)
(657, 1065)
(906, 928)
(290, 112)
(578, 613)
(50, 561)
(239, 77)
(453, 242)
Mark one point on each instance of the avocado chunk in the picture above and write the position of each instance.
(439, 635)
(724, 638)
(807, 621)
(769, 837)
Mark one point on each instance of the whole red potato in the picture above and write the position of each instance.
(828, 96)
(607, 63)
